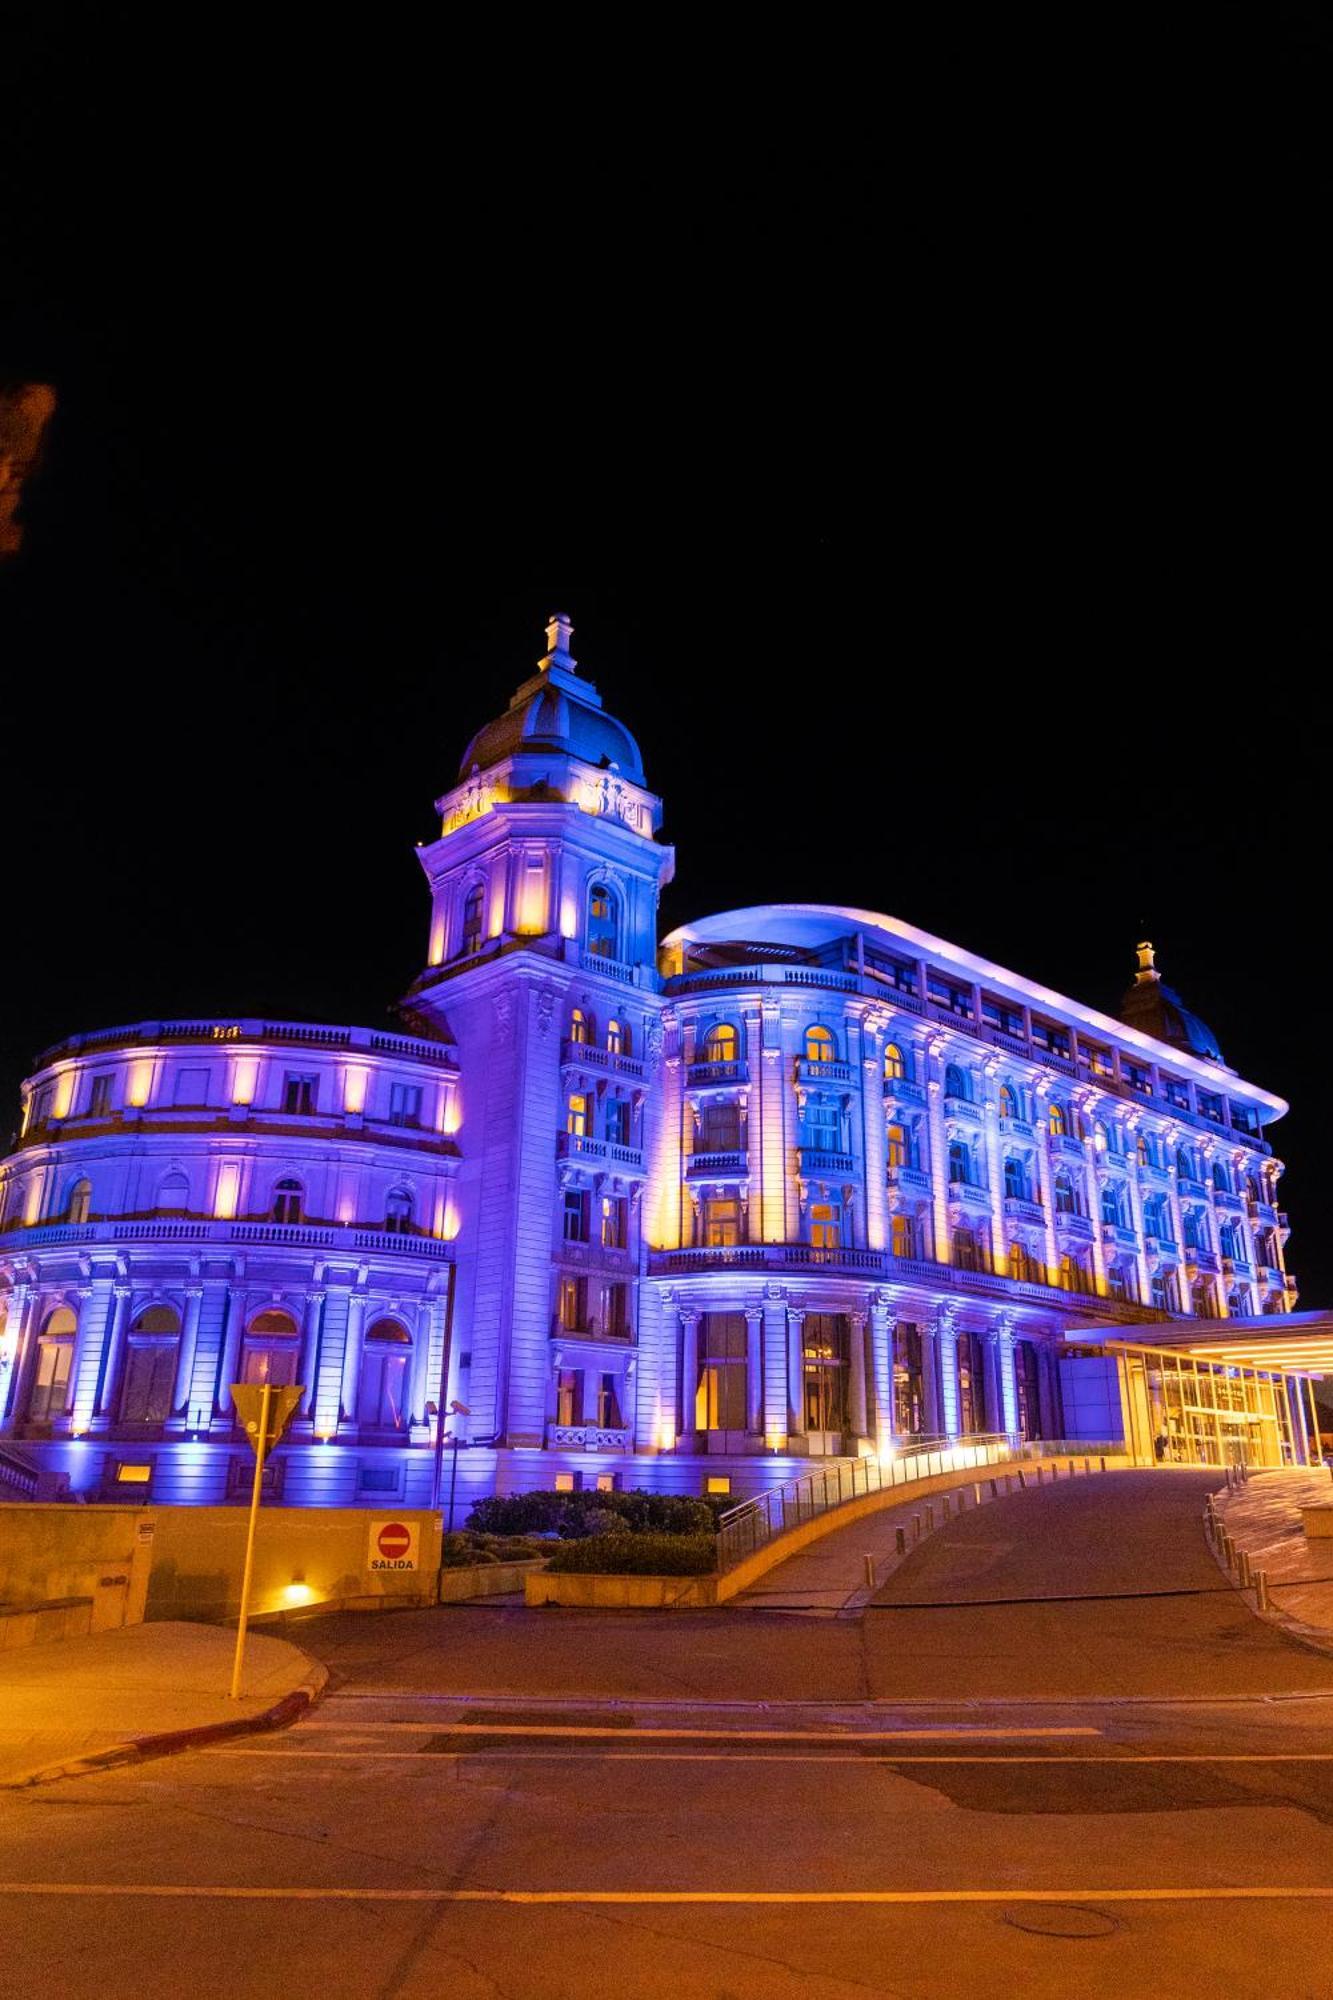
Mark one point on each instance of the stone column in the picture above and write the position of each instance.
(22, 1315)
(351, 1373)
(1007, 1419)
(856, 1385)
(939, 1155)
(872, 1100)
(994, 1391)
(930, 1380)
(687, 1415)
(1046, 1182)
(305, 1373)
(775, 1367)
(754, 1379)
(115, 1341)
(947, 1364)
(795, 1372)
(229, 1360)
(881, 1367)
(179, 1420)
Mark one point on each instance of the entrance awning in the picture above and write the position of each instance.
(1285, 1343)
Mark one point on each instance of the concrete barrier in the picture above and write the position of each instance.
(304, 1557)
(51, 1552)
(457, 1586)
(38, 1624)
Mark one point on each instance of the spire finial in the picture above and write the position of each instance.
(1147, 969)
(558, 630)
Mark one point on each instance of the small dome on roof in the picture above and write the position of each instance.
(556, 710)
(1157, 1009)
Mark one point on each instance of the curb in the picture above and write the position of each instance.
(166, 1743)
(1314, 1638)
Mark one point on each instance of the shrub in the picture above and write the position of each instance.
(637, 1555)
(571, 1514)
(462, 1550)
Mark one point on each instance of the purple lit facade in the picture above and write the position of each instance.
(800, 1182)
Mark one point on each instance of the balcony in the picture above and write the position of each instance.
(1202, 1260)
(901, 1090)
(770, 1257)
(968, 1195)
(583, 1055)
(1018, 1209)
(1118, 1237)
(587, 1437)
(1237, 1267)
(595, 1257)
(175, 1229)
(1063, 1146)
(1077, 1226)
(1230, 1204)
(910, 1179)
(815, 1160)
(716, 1166)
(1260, 1211)
(576, 1145)
(963, 1107)
(824, 1072)
(1016, 1128)
(1192, 1190)
(711, 1075)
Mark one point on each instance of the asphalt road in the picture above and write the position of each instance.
(426, 1832)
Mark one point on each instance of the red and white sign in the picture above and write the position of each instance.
(394, 1545)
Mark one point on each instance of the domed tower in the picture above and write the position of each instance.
(544, 885)
(1158, 1010)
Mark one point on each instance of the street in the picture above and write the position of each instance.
(1118, 1794)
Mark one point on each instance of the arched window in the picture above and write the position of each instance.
(55, 1357)
(472, 903)
(721, 1043)
(1057, 1121)
(1143, 1151)
(1015, 1180)
(1008, 1102)
(603, 921)
(1252, 1189)
(1184, 1164)
(959, 1164)
(894, 1066)
(580, 1028)
(382, 1392)
(80, 1201)
(287, 1201)
(955, 1083)
(1066, 1200)
(150, 1366)
(271, 1352)
(618, 1038)
(820, 1046)
(1221, 1180)
(173, 1195)
(398, 1212)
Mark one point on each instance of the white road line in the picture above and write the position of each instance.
(427, 1757)
(228, 1892)
(964, 1733)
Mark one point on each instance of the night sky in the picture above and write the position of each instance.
(933, 464)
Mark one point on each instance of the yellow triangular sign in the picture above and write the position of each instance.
(249, 1400)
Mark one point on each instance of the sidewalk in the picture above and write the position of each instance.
(138, 1692)
(828, 1579)
(1264, 1518)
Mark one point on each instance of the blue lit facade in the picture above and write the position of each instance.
(798, 1182)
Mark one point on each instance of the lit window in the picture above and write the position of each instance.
(579, 1027)
(722, 1222)
(271, 1350)
(615, 1222)
(1057, 1121)
(904, 1236)
(1008, 1102)
(603, 922)
(472, 903)
(720, 1043)
(819, 1045)
(576, 1115)
(80, 1202)
(894, 1067)
(825, 1226)
(897, 1146)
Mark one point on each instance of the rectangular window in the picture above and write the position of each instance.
(405, 1104)
(720, 1397)
(573, 1307)
(99, 1103)
(608, 1404)
(576, 1116)
(298, 1095)
(897, 1146)
(617, 1121)
(821, 1123)
(569, 1401)
(722, 1222)
(379, 1479)
(720, 1129)
(568, 1482)
(617, 1311)
(825, 1226)
(575, 1215)
(615, 1222)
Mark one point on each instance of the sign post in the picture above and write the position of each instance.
(265, 1413)
(455, 1410)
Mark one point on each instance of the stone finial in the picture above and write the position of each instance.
(558, 631)
(1147, 970)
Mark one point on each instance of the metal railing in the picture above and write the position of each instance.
(756, 1522)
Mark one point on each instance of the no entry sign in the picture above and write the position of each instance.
(394, 1545)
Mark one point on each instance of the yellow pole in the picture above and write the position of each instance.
(1318, 1458)
(260, 1442)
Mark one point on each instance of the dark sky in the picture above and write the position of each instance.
(927, 439)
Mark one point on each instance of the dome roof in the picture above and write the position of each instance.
(556, 710)
(1157, 1009)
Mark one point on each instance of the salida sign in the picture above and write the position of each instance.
(394, 1545)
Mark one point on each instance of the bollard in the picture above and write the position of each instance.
(1038, 1475)
(900, 1539)
(1261, 1590)
(1102, 1463)
(1244, 1568)
(976, 1496)
(1022, 1482)
(870, 1572)
(916, 1527)
(1087, 1468)
(945, 1508)
(930, 1516)
(994, 1489)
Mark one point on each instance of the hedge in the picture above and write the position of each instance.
(461, 1550)
(637, 1555)
(573, 1515)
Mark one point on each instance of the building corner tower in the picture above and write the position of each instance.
(544, 894)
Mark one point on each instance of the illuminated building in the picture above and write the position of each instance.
(799, 1182)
